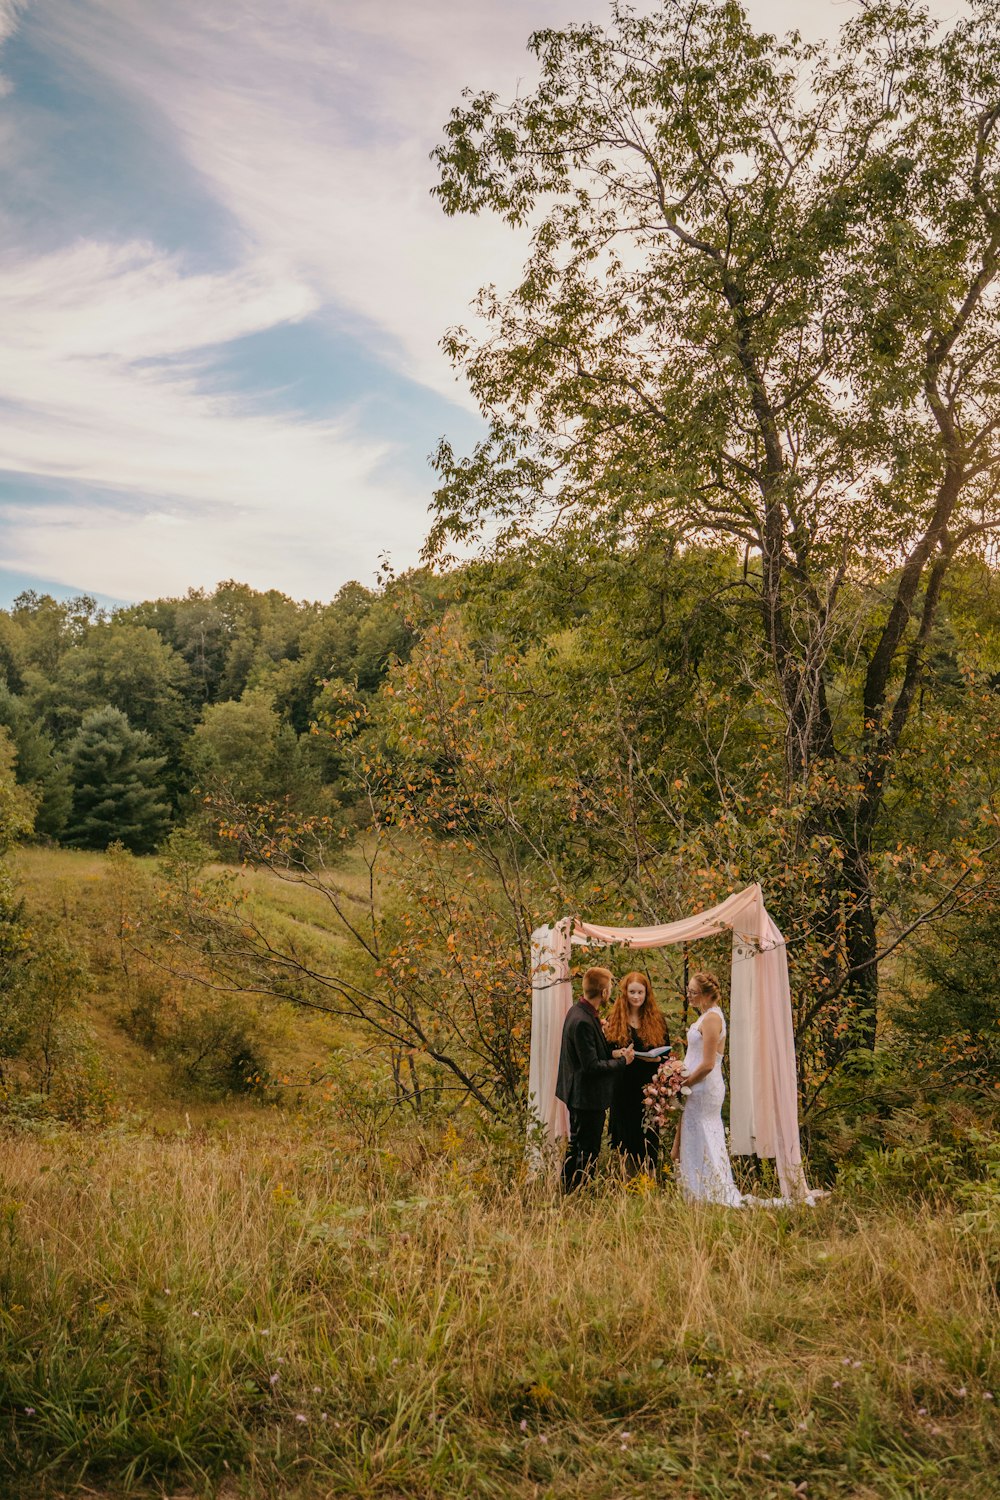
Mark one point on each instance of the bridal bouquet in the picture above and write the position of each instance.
(663, 1093)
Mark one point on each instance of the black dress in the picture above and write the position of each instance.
(640, 1147)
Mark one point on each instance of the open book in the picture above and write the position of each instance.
(654, 1054)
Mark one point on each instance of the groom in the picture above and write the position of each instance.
(587, 1066)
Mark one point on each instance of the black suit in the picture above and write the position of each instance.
(584, 1084)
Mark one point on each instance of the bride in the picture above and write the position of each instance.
(699, 1149)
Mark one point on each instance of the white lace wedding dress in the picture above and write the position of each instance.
(704, 1170)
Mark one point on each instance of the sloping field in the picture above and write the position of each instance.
(77, 891)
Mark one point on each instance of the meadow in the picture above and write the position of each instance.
(302, 1294)
(712, 599)
(260, 1307)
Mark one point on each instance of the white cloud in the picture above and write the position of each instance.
(130, 302)
(95, 394)
(310, 122)
(10, 11)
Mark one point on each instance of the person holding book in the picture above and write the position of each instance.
(635, 1020)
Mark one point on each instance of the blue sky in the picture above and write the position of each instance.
(223, 280)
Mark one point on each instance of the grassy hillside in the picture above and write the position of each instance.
(76, 890)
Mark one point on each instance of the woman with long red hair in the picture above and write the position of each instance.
(635, 1019)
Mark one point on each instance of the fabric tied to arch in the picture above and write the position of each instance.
(763, 1086)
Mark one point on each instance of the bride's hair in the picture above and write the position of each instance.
(708, 985)
(652, 1027)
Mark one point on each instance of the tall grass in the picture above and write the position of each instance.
(276, 1315)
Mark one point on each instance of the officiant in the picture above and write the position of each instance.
(588, 1066)
(635, 1020)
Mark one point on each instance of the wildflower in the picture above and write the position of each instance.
(855, 1364)
(524, 1424)
(29, 1411)
(543, 1439)
(961, 1391)
(922, 1411)
(316, 1390)
(987, 1395)
(274, 1378)
(836, 1385)
(299, 1417)
(626, 1436)
(196, 1314)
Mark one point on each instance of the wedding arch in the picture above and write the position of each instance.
(763, 1094)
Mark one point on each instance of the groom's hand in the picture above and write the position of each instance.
(628, 1052)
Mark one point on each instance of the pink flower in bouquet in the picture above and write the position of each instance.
(664, 1093)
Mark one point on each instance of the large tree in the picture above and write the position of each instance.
(117, 790)
(129, 666)
(760, 308)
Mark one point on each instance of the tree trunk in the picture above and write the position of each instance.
(861, 945)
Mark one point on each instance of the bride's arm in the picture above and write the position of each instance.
(711, 1035)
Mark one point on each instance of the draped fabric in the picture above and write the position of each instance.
(551, 998)
(762, 1077)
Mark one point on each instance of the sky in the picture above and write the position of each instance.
(223, 280)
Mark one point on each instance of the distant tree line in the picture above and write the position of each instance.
(122, 722)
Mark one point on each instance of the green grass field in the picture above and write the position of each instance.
(269, 1310)
(237, 1299)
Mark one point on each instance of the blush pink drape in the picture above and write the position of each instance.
(762, 1076)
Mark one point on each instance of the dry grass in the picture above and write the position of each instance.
(272, 1311)
(75, 889)
(258, 1308)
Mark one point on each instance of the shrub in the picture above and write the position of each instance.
(951, 1022)
(219, 1044)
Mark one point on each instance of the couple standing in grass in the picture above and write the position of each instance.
(606, 1067)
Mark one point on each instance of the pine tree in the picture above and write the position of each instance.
(38, 767)
(117, 791)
